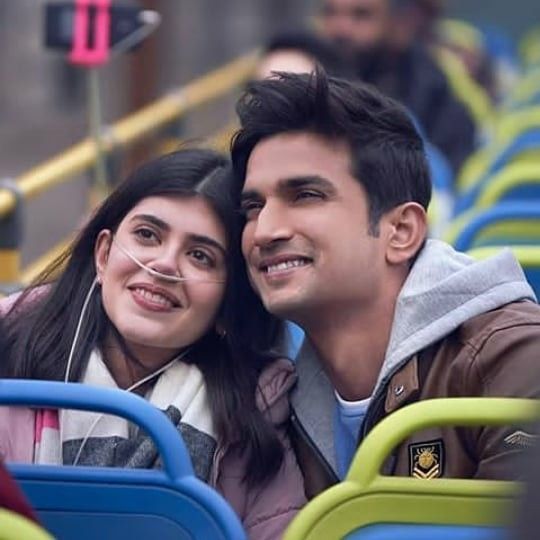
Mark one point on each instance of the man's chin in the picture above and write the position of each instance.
(284, 308)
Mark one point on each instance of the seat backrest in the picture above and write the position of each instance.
(505, 181)
(365, 498)
(509, 128)
(507, 223)
(427, 532)
(93, 502)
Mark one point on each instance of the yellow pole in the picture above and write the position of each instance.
(80, 157)
(131, 129)
(10, 264)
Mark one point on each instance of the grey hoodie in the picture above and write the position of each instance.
(443, 290)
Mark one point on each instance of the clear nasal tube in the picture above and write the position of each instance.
(155, 273)
(152, 272)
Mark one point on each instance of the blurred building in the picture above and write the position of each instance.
(43, 105)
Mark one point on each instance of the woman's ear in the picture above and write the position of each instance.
(101, 253)
(407, 232)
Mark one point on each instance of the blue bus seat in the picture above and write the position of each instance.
(524, 144)
(508, 223)
(93, 502)
(428, 532)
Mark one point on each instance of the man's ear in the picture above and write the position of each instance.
(101, 252)
(406, 232)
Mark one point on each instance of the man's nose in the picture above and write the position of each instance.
(273, 225)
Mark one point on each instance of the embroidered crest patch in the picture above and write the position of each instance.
(426, 459)
(521, 439)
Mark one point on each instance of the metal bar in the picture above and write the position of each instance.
(11, 237)
(95, 119)
(129, 130)
(34, 269)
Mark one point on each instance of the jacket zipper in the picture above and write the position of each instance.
(368, 420)
(373, 410)
(313, 447)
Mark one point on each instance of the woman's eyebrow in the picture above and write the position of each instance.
(193, 237)
(207, 240)
(150, 218)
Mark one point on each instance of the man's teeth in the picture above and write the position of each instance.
(154, 297)
(285, 265)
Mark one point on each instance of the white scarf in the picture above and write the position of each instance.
(95, 439)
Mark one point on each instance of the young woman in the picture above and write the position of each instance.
(153, 298)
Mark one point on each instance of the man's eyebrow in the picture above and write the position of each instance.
(207, 240)
(297, 182)
(154, 220)
(294, 182)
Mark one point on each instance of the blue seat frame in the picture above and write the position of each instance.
(503, 212)
(527, 141)
(90, 502)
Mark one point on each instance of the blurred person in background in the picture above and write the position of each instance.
(423, 21)
(383, 52)
(298, 52)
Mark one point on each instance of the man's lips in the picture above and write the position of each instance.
(282, 263)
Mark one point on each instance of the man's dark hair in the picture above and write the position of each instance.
(387, 152)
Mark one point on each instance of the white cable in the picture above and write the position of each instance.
(73, 345)
(130, 389)
(155, 273)
(78, 329)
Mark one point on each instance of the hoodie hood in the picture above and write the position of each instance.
(444, 289)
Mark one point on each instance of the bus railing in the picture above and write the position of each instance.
(82, 156)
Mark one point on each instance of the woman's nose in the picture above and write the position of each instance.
(167, 264)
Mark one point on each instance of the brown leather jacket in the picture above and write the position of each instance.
(491, 349)
(496, 354)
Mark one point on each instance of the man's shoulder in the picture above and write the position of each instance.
(500, 349)
(516, 315)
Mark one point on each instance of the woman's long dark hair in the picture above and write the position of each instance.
(41, 331)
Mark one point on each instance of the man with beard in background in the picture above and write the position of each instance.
(382, 52)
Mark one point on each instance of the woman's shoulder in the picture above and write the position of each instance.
(32, 295)
(17, 434)
(272, 396)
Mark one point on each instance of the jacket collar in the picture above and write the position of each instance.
(313, 402)
(403, 385)
(313, 398)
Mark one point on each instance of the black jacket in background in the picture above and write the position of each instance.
(413, 78)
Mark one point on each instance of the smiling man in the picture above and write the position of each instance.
(334, 187)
